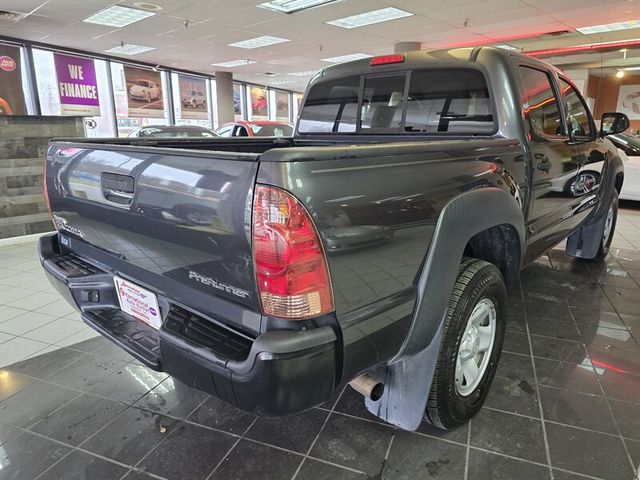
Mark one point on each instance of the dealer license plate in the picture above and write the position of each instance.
(138, 302)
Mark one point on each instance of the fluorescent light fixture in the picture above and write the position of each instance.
(370, 18)
(509, 47)
(282, 82)
(233, 63)
(292, 6)
(129, 49)
(118, 16)
(258, 42)
(609, 27)
(306, 73)
(631, 69)
(346, 58)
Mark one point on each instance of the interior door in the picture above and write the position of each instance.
(553, 159)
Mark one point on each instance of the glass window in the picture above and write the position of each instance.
(272, 130)
(449, 101)
(382, 103)
(440, 101)
(238, 102)
(540, 105)
(578, 118)
(282, 109)
(331, 107)
(225, 131)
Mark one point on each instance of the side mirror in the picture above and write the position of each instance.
(613, 122)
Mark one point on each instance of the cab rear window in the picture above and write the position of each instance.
(431, 101)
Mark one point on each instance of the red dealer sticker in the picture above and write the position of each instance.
(7, 64)
(138, 302)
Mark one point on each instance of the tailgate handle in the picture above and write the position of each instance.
(117, 188)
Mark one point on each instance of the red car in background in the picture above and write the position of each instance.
(263, 128)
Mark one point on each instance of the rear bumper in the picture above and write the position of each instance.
(277, 373)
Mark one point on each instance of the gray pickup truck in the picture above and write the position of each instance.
(371, 248)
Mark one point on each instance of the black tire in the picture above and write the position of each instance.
(605, 241)
(477, 280)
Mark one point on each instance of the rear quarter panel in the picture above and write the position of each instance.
(376, 209)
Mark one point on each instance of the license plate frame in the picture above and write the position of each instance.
(138, 302)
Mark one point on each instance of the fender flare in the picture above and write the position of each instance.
(409, 375)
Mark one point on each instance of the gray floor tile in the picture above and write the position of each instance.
(354, 443)
(588, 452)
(509, 434)
(496, 467)
(412, 456)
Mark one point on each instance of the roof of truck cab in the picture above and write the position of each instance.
(426, 58)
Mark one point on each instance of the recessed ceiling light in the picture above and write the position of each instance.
(346, 58)
(306, 73)
(291, 6)
(370, 18)
(129, 49)
(233, 63)
(258, 42)
(609, 27)
(151, 7)
(117, 16)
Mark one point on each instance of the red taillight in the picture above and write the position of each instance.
(387, 59)
(291, 269)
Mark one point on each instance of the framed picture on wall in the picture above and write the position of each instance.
(629, 101)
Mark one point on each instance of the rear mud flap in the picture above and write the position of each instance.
(585, 242)
(406, 386)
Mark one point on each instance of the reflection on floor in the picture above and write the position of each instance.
(565, 402)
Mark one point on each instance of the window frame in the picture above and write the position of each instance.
(592, 124)
(400, 132)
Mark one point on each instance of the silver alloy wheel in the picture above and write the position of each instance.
(608, 226)
(476, 347)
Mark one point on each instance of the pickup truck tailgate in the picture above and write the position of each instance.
(176, 221)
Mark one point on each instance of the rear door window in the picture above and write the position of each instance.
(539, 103)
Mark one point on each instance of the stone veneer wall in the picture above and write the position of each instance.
(23, 145)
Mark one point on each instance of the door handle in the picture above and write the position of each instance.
(544, 165)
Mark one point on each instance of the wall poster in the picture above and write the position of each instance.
(11, 91)
(77, 85)
(144, 92)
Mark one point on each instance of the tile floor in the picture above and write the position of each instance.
(565, 403)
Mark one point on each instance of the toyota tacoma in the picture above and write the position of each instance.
(371, 248)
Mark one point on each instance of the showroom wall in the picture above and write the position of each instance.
(23, 145)
(34, 76)
(613, 94)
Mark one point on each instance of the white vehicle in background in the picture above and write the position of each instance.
(145, 90)
(629, 145)
(194, 99)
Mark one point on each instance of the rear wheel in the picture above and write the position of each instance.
(471, 345)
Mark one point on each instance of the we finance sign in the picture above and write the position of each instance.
(77, 85)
